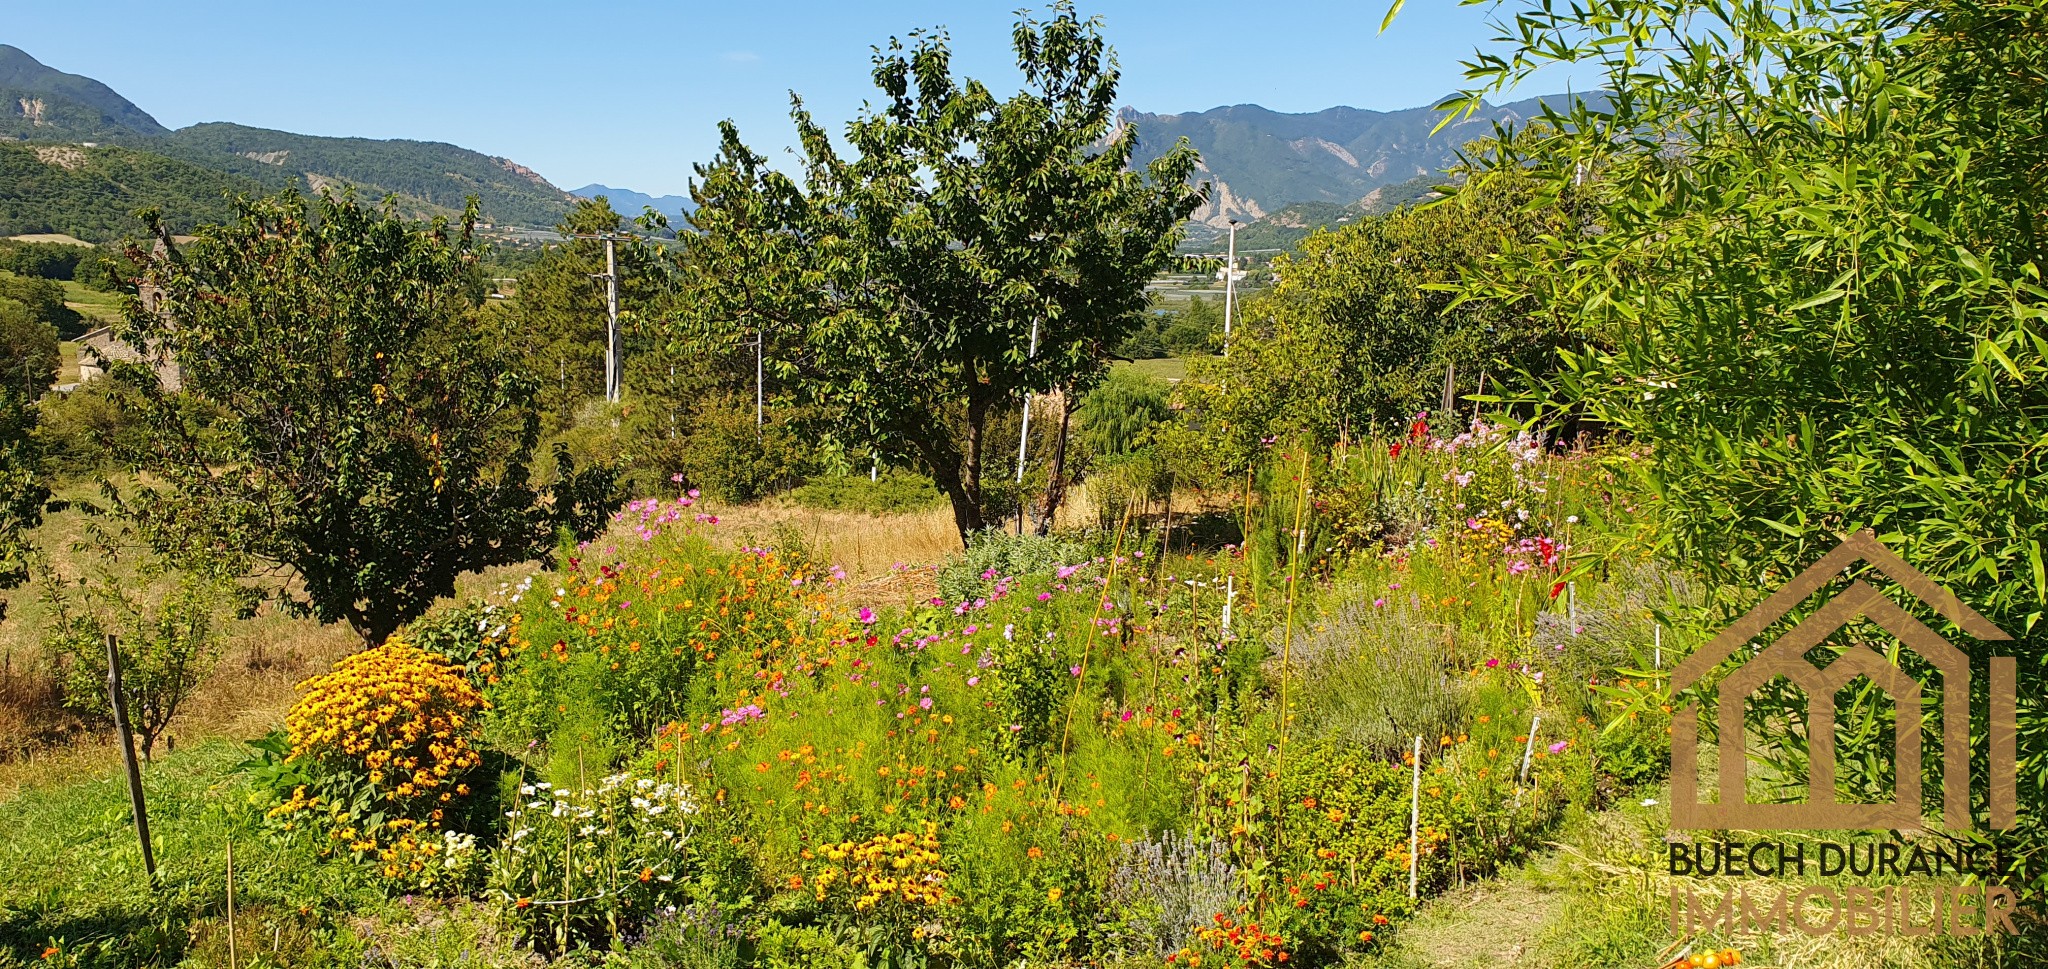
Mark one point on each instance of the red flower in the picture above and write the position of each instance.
(1394, 449)
(1555, 589)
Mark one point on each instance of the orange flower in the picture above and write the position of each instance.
(646, 874)
(50, 952)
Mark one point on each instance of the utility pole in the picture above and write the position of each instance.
(1024, 434)
(1230, 287)
(614, 370)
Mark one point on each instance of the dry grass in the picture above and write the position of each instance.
(867, 546)
(887, 558)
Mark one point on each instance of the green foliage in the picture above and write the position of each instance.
(1196, 328)
(1357, 334)
(47, 260)
(38, 301)
(28, 365)
(433, 177)
(892, 492)
(737, 460)
(1825, 312)
(899, 288)
(1376, 676)
(568, 889)
(559, 311)
(97, 198)
(999, 557)
(369, 440)
(169, 640)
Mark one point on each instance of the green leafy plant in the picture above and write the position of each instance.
(898, 287)
(369, 443)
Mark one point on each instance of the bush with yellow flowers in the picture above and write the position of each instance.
(884, 891)
(376, 755)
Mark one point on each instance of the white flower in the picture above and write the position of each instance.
(1649, 802)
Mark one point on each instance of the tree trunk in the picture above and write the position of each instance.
(1056, 478)
(946, 466)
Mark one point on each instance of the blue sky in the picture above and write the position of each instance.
(630, 94)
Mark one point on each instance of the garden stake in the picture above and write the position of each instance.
(231, 901)
(1658, 656)
(118, 697)
(1287, 637)
(1529, 749)
(1415, 821)
(1229, 594)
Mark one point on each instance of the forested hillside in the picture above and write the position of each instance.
(435, 173)
(93, 193)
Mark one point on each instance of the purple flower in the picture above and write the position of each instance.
(1558, 748)
(925, 704)
(1377, 603)
(867, 616)
(1076, 670)
(974, 681)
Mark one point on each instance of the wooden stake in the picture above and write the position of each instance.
(1415, 823)
(118, 697)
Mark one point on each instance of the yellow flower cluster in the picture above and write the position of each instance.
(402, 717)
(886, 868)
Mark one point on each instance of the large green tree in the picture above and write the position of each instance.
(898, 284)
(1813, 286)
(28, 365)
(370, 443)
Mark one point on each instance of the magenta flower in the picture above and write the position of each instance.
(867, 616)
(1558, 748)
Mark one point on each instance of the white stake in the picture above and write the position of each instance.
(1229, 594)
(1529, 749)
(1658, 656)
(1415, 821)
(1571, 605)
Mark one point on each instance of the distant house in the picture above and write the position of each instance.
(99, 347)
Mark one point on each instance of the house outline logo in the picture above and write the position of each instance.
(1786, 657)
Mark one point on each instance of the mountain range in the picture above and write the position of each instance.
(630, 204)
(92, 156)
(78, 158)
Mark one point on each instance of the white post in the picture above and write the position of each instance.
(1024, 435)
(1229, 594)
(1024, 432)
(612, 377)
(1658, 657)
(1415, 822)
(1529, 749)
(1571, 605)
(1230, 287)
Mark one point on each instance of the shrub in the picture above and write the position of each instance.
(892, 492)
(995, 554)
(1378, 675)
(1163, 890)
(582, 865)
(167, 650)
(378, 753)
